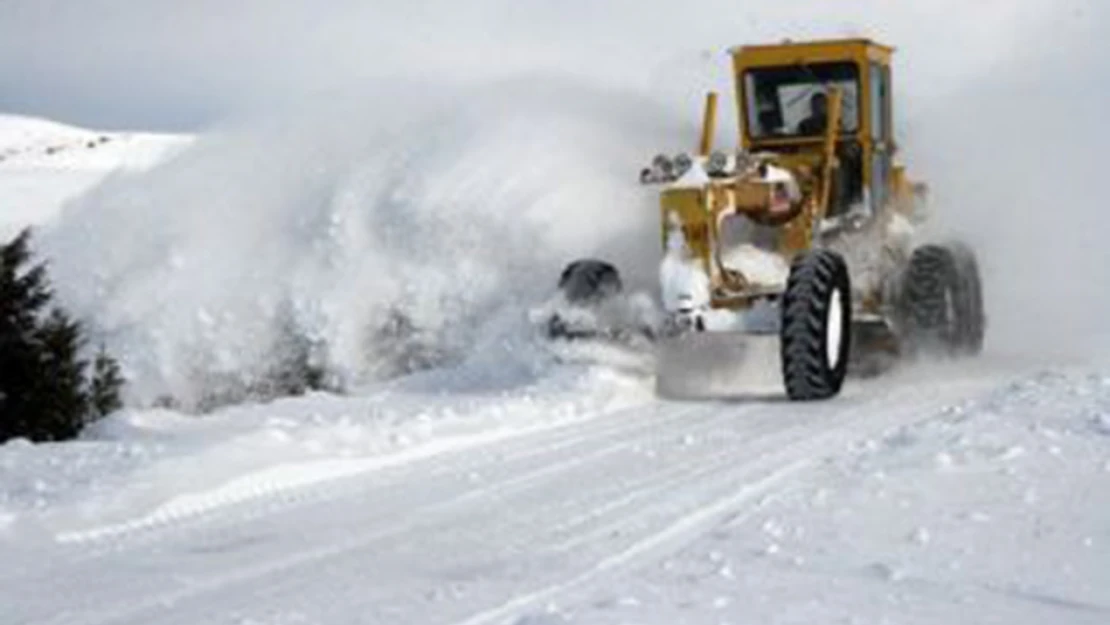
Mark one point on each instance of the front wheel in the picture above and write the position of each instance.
(589, 281)
(587, 285)
(816, 326)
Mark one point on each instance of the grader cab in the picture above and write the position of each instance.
(785, 93)
(805, 231)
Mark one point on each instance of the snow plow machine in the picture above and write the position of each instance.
(803, 238)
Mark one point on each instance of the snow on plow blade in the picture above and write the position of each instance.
(719, 366)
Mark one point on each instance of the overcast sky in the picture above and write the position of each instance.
(182, 64)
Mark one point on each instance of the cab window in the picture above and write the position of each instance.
(788, 101)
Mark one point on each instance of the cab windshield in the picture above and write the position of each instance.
(790, 101)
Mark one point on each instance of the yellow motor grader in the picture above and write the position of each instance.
(806, 231)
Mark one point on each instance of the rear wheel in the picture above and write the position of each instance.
(816, 326)
(972, 319)
(943, 301)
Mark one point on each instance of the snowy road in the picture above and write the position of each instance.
(487, 534)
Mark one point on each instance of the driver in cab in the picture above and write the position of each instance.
(818, 119)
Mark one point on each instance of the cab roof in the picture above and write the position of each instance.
(789, 52)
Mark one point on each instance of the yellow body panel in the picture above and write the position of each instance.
(689, 205)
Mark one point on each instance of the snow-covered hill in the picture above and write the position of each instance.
(44, 164)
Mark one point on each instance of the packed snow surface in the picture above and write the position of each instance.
(980, 496)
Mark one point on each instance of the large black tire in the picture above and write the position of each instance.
(589, 281)
(585, 282)
(943, 301)
(816, 326)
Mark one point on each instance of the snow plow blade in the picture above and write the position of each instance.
(719, 366)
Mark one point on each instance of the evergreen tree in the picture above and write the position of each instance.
(23, 294)
(107, 383)
(45, 390)
(61, 397)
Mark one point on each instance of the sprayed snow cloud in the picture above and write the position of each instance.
(381, 242)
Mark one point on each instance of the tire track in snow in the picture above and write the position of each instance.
(358, 546)
(772, 470)
(279, 484)
(613, 439)
(738, 483)
(652, 489)
(673, 535)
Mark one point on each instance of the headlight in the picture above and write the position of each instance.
(662, 165)
(717, 165)
(681, 164)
